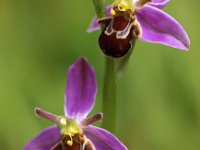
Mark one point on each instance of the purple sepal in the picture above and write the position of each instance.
(159, 27)
(94, 24)
(81, 89)
(102, 139)
(159, 3)
(45, 140)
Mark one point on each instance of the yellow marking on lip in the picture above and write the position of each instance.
(112, 12)
(70, 142)
(123, 5)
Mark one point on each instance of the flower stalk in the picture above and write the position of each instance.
(99, 6)
(109, 85)
(122, 63)
(109, 95)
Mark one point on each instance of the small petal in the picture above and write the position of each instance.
(45, 140)
(94, 23)
(102, 139)
(159, 27)
(81, 90)
(159, 3)
(87, 121)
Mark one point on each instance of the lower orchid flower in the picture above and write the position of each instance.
(128, 20)
(74, 131)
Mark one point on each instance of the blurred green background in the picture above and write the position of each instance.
(158, 97)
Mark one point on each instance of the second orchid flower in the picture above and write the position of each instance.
(128, 20)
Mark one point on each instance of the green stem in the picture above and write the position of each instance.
(109, 95)
(99, 6)
(109, 86)
(122, 63)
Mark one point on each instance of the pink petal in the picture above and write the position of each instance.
(81, 89)
(45, 140)
(159, 27)
(103, 140)
(159, 3)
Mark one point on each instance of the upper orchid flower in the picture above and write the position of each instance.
(73, 131)
(131, 19)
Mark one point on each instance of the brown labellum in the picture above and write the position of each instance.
(117, 37)
(79, 143)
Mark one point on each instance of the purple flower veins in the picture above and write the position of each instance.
(156, 25)
(74, 131)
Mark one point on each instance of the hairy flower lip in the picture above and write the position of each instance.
(119, 33)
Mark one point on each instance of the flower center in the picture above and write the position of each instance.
(70, 131)
(122, 6)
(72, 136)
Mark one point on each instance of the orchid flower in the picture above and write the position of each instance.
(74, 131)
(146, 21)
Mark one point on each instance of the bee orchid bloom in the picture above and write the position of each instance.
(153, 24)
(74, 130)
